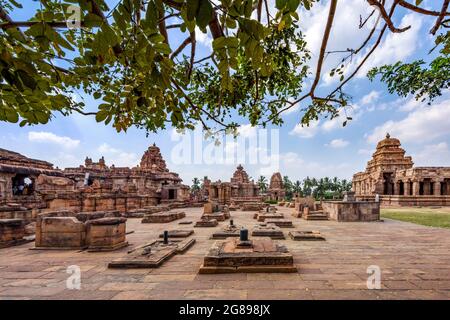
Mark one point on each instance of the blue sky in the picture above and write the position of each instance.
(324, 149)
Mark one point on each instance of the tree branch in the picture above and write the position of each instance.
(440, 18)
(181, 47)
(417, 9)
(193, 47)
(386, 17)
(323, 46)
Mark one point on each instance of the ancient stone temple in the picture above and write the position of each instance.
(392, 176)
(94, 186)
(276, 189)
(18, 178)
(239, 190)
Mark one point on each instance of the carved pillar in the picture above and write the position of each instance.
(396, 188)
(406, 188)
(426, 187)
(437, 187)
(415, 188)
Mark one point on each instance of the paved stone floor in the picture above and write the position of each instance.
(414, 260)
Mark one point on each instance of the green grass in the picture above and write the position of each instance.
(424, 216)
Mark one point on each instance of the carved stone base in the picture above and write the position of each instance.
(206, 223)
(163, 217)
(306, 236)
(263, 216)
(263, 255)
(227, 232)
(152, 255)
(267, 230)
(280, 223)
(178, 233)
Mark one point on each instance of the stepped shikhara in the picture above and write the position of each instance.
(94, 186)
(391, 175)
(238, 191)
(276, 189)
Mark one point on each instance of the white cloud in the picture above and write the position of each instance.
(426, 123)
(49, 137)
(344, 33)
(410, 104)
(306, 131)
(365, 151)
(338, 143)
(371, 97)
(204, 38)
(118, 157)
(395, 47)
(294, 166)
(433, 155)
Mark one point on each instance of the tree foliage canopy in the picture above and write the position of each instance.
(128, 58)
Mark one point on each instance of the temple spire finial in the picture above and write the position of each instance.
(388, 135)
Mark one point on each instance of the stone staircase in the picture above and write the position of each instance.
(317, 214)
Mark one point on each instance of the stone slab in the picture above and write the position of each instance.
(227, 232)
(206, 223)
(152, 255)
(268, 230)
(258, 255)
(306, 236)
(280, 223)
(178, 233)
(163, 217)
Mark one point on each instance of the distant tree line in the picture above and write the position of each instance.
(323, 188)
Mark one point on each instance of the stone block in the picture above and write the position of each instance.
(261, 255)
(106, 234)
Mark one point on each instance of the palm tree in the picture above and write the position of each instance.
(297, 187)
(307, 187)
(203, 181)
(288, 187)
(262, 183)
(195, 185)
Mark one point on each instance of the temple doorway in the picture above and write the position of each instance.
(22, 185)
(172, 194)
(388, 184)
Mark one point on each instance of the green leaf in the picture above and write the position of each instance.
(151, 16)
(11, 115)
(204, 13)
(192, 9)
(101, 115)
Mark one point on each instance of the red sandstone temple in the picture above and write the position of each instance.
(391, 175)
(35, 184)
(239, 190)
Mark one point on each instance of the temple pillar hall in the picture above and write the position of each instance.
(407, 188)
(416, 188)
(437, 188)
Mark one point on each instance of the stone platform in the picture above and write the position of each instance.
(261, 217)
(268, 230)
(229, 231)
(280, 223)
(12, 232)
(206, 223)
(306, 236)
(219, 216)
(414, 261)
(178, 233)
(163, 217)
(254, 256)
(152, 255)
